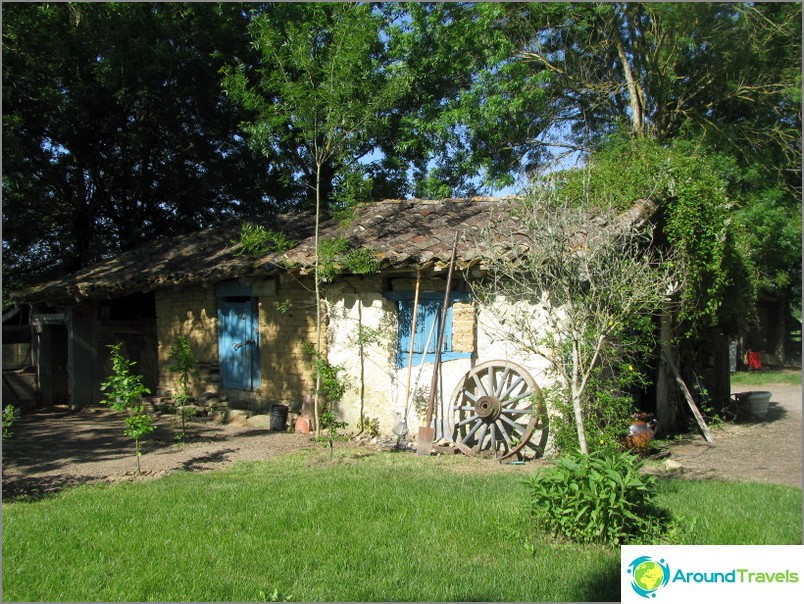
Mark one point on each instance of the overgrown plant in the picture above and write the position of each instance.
(335, 256)
(330, 390)
(183, 362)
(257, 241)
(609, 400)
(124, 391)
(586, 275)
(600, 498)
(10, 415)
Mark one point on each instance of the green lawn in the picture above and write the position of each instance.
(758, 378)
(368, 527)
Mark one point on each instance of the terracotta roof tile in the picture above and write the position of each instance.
(402, 232)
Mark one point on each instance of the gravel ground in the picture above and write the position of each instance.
(56, 448)
(767, 450)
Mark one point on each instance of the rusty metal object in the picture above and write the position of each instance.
(496, 409)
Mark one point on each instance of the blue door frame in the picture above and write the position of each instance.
(238, 341)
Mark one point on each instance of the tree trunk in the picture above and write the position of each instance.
(576, 401)
(635, 93)
(317, 279)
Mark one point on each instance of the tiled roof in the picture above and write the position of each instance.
(401, 233)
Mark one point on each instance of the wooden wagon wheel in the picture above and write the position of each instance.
(496, 410)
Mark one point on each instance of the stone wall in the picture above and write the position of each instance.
(189, 312)
(286, 323)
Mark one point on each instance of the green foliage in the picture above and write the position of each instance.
(182, 362)
(255, 240)
(608, 401)
(335, 256)
(124, 391)
(369, 425)
(698, 192)
(331, 388)
(114, 120)
(10, 415)
(597, 498)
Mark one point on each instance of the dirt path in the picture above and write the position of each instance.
(768, 450)
(55, 448)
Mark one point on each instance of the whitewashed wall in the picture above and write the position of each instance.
(377, 387)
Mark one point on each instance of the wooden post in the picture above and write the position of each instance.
(690, 401)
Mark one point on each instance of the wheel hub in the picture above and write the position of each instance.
(488, 408)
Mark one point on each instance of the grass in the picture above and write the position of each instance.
(378, 527)
(761, 377)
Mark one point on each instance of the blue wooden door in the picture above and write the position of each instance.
(238, 343)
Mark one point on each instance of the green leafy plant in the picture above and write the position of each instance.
(183, 362)
(10, 415)
(600, 498)
(256, 240)
(335, 256)
(124, 391)
(369, 425)
(331, 388)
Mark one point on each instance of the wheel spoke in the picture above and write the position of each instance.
(499, 389)
(504, 435)
(471, 432)
(513, 424)
(511, 388)
(514, 411)
(468, 420)
(481, 435)
(481, 387)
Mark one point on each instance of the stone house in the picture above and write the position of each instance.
(251, 319)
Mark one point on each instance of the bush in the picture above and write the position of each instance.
(10, 415)
(124, 391)
(600, 498)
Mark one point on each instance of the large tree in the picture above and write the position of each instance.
(116, 130)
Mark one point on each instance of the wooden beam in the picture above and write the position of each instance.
(690, 401)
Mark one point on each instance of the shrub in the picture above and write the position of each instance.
(183, 363)
(600, 498)
(10, 415)
(124, 391)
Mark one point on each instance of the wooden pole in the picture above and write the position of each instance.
(690, 401)
(413, 337)
(426, 433)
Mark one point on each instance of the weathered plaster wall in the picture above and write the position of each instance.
(362, 338)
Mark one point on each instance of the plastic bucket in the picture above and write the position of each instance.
(279, 417)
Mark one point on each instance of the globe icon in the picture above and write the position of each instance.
(648, 576)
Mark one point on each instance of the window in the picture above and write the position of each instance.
(428, 318)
